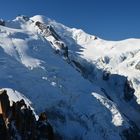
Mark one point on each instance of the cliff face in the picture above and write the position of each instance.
(18, 122)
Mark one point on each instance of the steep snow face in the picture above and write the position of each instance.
(77, 108)
(108, 64)
(116, 57)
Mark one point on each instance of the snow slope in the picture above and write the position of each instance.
(79, 103)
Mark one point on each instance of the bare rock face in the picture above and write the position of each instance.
(57, 43)
(4, 104)
(18, 122)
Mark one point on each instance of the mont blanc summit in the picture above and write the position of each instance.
(88, 87)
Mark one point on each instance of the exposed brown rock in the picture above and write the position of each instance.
(4, 105)
(18, 121)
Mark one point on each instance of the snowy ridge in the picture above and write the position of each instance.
(88, 104)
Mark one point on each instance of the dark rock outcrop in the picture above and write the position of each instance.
(79, 67)
(95, 38)
(2, 22)
(131, 133)
(18, 122)
(138, 66)
(106, 75)
(3, 129)
(128, 90)
(47, 30)
(44, 129)
(26, 18)
(4, 104)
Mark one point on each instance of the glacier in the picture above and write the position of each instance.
(89, 87)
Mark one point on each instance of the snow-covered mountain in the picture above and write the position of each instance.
(89, 87)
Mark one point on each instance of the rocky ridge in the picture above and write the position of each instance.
(18, 122)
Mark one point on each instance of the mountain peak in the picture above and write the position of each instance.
(40, 18)
(85, 84)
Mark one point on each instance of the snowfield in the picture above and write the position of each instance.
(89, 87)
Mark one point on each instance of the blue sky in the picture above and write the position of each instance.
(108, 19)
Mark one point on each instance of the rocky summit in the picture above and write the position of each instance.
(18, 121)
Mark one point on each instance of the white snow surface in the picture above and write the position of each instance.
(76, 106)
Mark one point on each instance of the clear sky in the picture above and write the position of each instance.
(108, 19)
